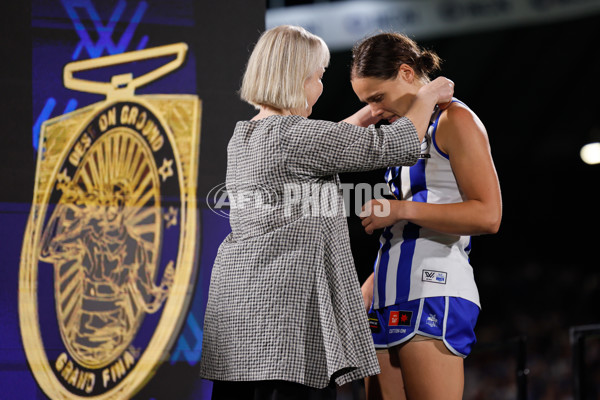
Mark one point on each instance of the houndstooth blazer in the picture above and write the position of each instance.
(284, 300)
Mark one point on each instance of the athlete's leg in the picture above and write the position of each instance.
(388, 385)
(430, 371)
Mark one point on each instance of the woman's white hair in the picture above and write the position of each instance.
(283, 58)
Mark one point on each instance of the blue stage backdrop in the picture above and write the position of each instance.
(126, 99)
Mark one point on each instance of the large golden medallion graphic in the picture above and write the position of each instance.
(108, 267)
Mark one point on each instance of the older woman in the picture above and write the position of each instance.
(284, 317)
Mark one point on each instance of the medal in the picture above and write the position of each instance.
(107, 267)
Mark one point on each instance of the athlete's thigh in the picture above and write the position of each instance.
(430, 371)
(388, 385)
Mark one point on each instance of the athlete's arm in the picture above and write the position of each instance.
(367, 291)
(462, 136)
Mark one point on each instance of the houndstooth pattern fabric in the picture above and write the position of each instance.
(284, 300)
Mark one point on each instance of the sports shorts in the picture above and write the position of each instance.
(450, 319)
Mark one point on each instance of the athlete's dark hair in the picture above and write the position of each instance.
(380, 56)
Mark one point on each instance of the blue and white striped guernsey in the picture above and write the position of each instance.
(415, 262)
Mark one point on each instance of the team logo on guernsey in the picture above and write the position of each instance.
(434, 276)
(108, 255)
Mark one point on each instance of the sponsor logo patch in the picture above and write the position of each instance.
(374, 322)
(405, 318)
(434, 276)
(400, 318)
(394, 318)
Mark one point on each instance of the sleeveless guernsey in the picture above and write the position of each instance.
(414, 262)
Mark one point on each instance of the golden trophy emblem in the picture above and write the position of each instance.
(107, 267)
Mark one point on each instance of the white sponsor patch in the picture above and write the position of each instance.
(434, 276)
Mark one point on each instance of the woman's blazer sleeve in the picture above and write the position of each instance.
(325, 148)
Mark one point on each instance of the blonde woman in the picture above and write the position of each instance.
(284, 318)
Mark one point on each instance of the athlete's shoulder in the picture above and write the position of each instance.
(459, 124)
(458, 116)
(457, 113)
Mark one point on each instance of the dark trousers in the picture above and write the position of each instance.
(270, 390)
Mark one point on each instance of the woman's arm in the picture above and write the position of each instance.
(463, 137)
(363, 117)
(324, 148)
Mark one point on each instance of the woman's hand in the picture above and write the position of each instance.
(379, 213)
(363, 117)
(441, 89)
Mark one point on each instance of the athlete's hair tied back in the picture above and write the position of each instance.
(381, 55)
(428, 63)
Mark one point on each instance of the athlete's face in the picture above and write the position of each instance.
(313, 88)
(388, 98)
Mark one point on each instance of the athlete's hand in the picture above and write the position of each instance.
(367, 292)
(379, 213)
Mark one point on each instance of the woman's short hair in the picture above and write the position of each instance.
(283, 58)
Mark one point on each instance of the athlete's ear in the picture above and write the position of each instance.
(406, 73)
